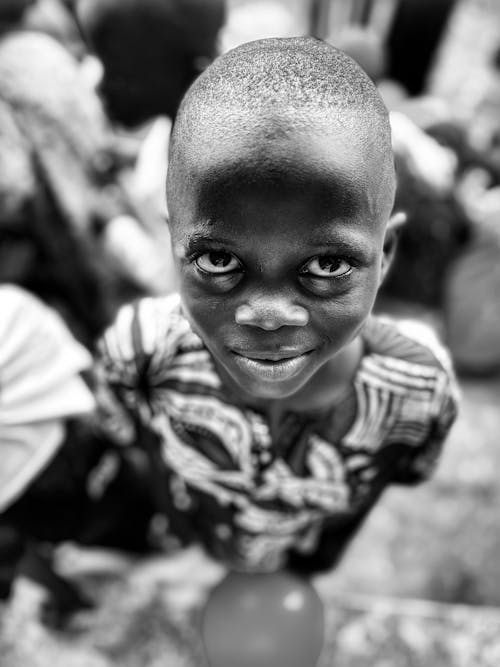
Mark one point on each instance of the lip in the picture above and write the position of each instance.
(271, 355)
(272, 366)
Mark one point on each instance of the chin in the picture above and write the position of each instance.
(272, 392)
(269, 390)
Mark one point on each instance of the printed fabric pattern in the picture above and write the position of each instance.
(248, 499)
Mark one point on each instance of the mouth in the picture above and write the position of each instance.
(272, 366)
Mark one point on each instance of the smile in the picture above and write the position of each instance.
(272, 366)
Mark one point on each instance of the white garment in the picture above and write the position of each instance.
(40, 386)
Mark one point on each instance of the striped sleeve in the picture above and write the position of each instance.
(420, 461)
(415, 393)
(132, 354)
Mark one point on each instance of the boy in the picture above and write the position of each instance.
(274, 406)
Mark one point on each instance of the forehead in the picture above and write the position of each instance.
(339, 170)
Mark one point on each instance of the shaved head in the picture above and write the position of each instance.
(259, 99)
(280, 190)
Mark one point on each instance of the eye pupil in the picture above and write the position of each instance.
(220, 259)
(328, 264)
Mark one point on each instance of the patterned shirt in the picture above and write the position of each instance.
(249, 498)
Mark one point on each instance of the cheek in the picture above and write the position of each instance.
(206, 314)
(341, 320)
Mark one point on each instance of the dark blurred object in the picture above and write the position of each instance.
(58, 185)
(409, 33)
(319, 12)
(11, 551)
(11, 11)
(151, 51)
(90, 494)
(64, 598)
(60, 477)
(437, 226)
(435, 231)
(416, 31)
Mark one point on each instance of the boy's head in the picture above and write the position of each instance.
(151, 51)
(280, 190)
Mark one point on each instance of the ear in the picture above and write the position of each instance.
(396, 222)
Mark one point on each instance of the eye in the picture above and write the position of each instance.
(327, 267)
(217, 262)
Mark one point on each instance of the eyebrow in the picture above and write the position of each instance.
(199, 241)
(346, 243)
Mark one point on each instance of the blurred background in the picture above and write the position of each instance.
(88, 92)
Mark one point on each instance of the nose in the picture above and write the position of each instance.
(271, 314)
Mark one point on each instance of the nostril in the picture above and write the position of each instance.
(270, 325)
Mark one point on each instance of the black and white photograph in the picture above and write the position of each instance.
(250, 333)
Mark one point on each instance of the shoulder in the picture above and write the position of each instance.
(406, 358)
(407, 390)
(406, 340)
(151, 330)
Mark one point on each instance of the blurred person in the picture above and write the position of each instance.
(273, 406)
(437, 227)
(150, 52)
(12, 12)
(60, 479)
(69, 236)
(60, 194)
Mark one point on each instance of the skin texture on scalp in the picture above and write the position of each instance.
(269, 88)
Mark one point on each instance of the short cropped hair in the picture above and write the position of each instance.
(297, 80)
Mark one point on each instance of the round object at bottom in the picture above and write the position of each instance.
(257, 620)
